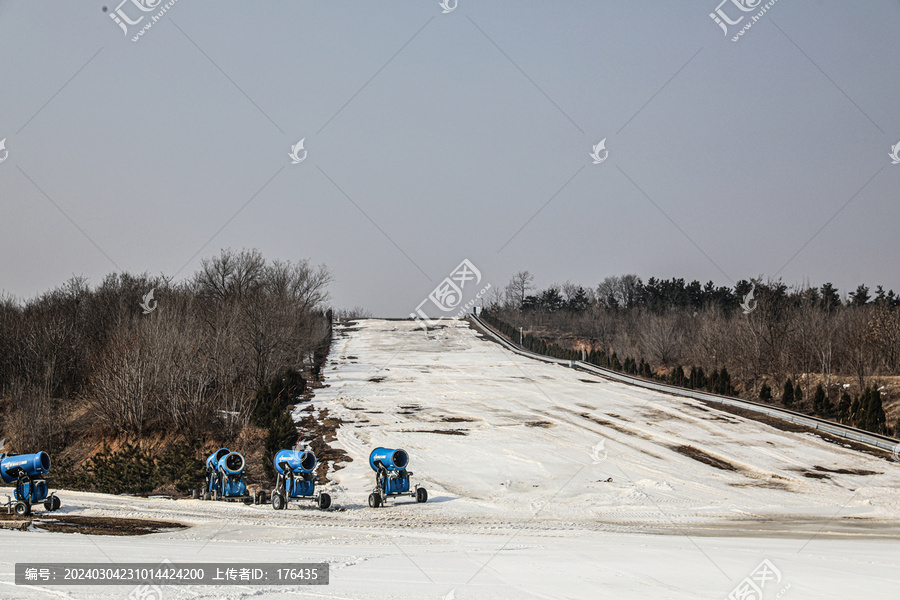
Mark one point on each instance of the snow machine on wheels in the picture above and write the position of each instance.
(27, 472)
(391, 477)
(296, 480)
(225, 477)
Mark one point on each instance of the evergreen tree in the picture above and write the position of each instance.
(712, 383)
(830, 298)
(798, 394)
(844, 409)
(819, 401)
(723, 384)
(875, 417)
(860, 297)
(765, 392)
(787, 396)
(856, 412)
(677, 377)
(827, 406)
(698, 378)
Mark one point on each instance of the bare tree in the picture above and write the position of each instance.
(517, 288)
(662, 338)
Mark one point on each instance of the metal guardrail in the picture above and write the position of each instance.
(851, 433)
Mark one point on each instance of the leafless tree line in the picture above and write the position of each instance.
(798, 333)
(190, 366)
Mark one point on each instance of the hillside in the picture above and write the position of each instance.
(544, 483)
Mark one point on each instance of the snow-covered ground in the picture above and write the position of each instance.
(520, 504)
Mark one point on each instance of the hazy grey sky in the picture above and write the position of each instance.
(434, 137)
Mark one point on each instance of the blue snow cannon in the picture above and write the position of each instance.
(296, 479)
(27, 472)
(225, 476)
(391, 476)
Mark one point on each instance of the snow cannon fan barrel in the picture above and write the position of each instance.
(26, 472)
(32, 465)
(391, 476)
(392, 459)
(296, 479)
(298, 461)
(212, 463)
(232, 464)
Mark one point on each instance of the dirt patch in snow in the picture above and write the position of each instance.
(847, 471)
(322, 430)
(94, 525)
(611, 425)
(701, 456)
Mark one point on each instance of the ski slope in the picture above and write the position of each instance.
(544, 482)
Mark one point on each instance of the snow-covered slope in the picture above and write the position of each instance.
(516, 455)
(544, 437)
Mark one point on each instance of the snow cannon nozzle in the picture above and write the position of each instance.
(298, 461)
(212, 462)
(32, 465)
(232, 463)
(392, 459)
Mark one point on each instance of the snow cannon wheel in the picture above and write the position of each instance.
(278, 502)
(205, 496)
(421, 495)
(324, 500)
(56, 503)
(374, 500)
(261, 497)
(248, 501)
(48, 504)
(22, 509)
